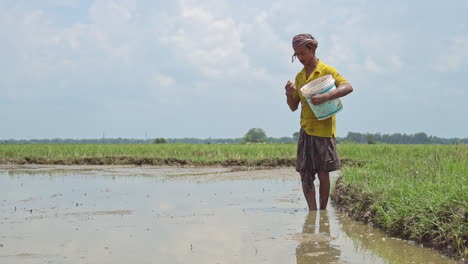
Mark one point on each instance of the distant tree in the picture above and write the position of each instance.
(370, 139)
(255, 135)
(356, 137)
(421, 138)
(159, 141)
(296, 136)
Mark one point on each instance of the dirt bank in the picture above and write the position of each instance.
(127, 160)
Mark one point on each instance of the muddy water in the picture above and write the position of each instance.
(179, 215)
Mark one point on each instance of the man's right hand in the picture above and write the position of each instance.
(290, 89)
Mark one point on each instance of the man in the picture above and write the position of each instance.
(316, 151)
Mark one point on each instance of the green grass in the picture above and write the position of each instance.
(145, 153)
(417, 192)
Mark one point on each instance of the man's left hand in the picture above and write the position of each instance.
(319, 99)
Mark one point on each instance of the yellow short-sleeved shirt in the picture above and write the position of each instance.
(310, 123)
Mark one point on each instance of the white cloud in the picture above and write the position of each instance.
(163, 81)
(383, 66)
(372, 66)
(68, 3)
(113, 27)
(163, 89)
(43, 51)
(219, 47)
(341, 51)
(212, 45)
(455, 56)
(112, 15)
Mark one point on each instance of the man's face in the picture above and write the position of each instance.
(304, 54)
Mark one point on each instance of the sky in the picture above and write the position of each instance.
(216, 68)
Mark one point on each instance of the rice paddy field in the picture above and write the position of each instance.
(415, 192)
(150, 154)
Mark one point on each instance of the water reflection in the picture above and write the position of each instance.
(392, 250)
(315, 240)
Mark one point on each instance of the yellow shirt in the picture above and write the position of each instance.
(312, 126)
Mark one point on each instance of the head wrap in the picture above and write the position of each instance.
(303, 39)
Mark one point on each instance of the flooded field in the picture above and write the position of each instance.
(179, 215)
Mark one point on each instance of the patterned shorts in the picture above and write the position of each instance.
(315, 154)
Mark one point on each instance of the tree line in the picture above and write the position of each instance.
(398, 138)
(255, 135)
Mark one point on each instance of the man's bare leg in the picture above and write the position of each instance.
(309, 194)
(324, 191)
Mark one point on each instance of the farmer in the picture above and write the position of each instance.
(316, 149)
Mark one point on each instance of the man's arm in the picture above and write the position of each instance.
(292, 97)
(340, 91)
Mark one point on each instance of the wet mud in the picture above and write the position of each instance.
(128, 160)
(127, 214)
(139, 161)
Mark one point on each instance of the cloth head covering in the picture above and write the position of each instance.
(303, 39)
